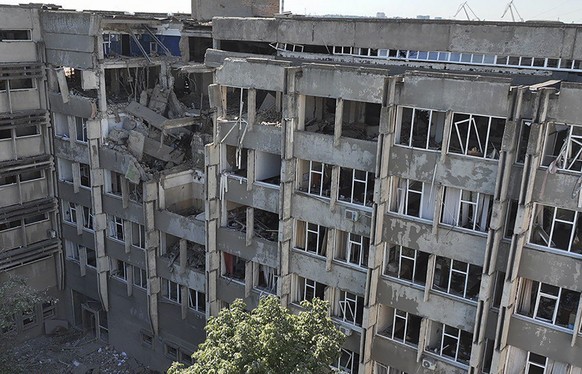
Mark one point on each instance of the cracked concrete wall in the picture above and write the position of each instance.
(533, 39)
(257, 73)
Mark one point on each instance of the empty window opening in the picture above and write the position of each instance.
(350, 308)
(556, 228)
(267, 167)
(307, 289)
(457, 278)
(478, 136)
(171, 291)
(10, 35)
(412, 198)
(120, 270)
(127, 84)
(237, 160)
(353, 249)
(547, 303)
(147, 339)
(311, 238)
(196, 300)
(31, 175)
(266, 225)
(420, 128)
(113, 183)
(315, 178)
(140, 278)
(512, 207)
(28, 319)
(399, 325)
(91, 257)
(116, 229)
(233, 267)
(88, 218)
(17, 84)
(361, 120)
(455, 344)
(81, 126)
(356, 186)
(36, 219)
(10, 225)
(198, 47)
(24, 131)
(8, 180)
(524, 130)
(72, 251)
(85, 171)
(236, 217)
(468, 209)
(138, 235)
(320, 114)
(265, 278)
(563, 147)
(348, 362)
(268, 107)
(249, 47)
(69, 211)
(171, 352)
(405, 263)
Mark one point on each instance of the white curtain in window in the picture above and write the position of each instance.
(428, 199)
(451, 206)
(555, 367)
(483, 213)
(575, 370)
(524, 305)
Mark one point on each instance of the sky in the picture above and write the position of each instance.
(564, 10)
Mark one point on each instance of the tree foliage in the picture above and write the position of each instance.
(17, 297)
(269, 339)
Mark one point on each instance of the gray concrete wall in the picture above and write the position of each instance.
(260, 74)
(206, 10)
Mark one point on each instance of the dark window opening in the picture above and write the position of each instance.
(261, 48)
(21, 84)
(198, 47)
(26, 131)
(6, 35)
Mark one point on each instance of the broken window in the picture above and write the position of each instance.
(72, 251)
(412, 198)
(319, 115)
(171, 291)
(563, 147)
(114, 183)
(85, 171)
(121, 269)
(556, 228)
(135, 192)
(524, 131)
(420, 128)
(237, 218)
(353, 249)
(405, 263)
(356, 186)
(116, 230)
(317, 178)
(455, 344)
(81, 126)
(457, 278)
(268, 167)
(266, 225)
(350, 308)
(88, 218)
(265, 278)
(140, 278)
(360, 120)
(548, 303)
(91, 256)
(138, 235)
(399, 325)
(237, 159)
(478, 136)
(69, 212)
(268, 107)
(467, 209)
(348, 362)
(28, 318)
(307, 289)
(10, 35)
(196, 300)
(311, 237)
(233, 267)
(536, 364)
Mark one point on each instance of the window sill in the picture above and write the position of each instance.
(413, 346)
(417, 148)
(453, 297)
(556, 251)
(310, 254)
(404, 282)
(464, 230)
(446, 359)
(410, 218)
(337, 321)
(544, 324)
(349, 265)
(366, 208)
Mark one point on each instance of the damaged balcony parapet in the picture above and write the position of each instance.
(76, 152)
(263, 138)
(263, 196)
(189, 228)
(261, 250)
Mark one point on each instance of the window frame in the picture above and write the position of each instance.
(350, 303)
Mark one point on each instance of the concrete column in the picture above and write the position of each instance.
(250, 168)
(250, 230)
(183, 256)
(339, 117)
(252, 108)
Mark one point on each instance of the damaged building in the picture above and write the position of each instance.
(423, 176)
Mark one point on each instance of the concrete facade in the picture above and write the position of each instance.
(426, 184)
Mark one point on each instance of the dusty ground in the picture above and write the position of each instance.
(67, 352)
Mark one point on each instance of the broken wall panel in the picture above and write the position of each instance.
(76, 106)
(567, 107)
(358, 84)
(465, 94)
(253, 73)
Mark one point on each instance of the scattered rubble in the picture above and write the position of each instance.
(68, 351)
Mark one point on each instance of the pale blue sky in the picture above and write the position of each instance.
(564, 10)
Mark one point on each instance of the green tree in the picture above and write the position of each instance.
(17, 298)
(269, 339)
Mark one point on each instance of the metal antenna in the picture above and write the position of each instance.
(511, 8)
(466, 8)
